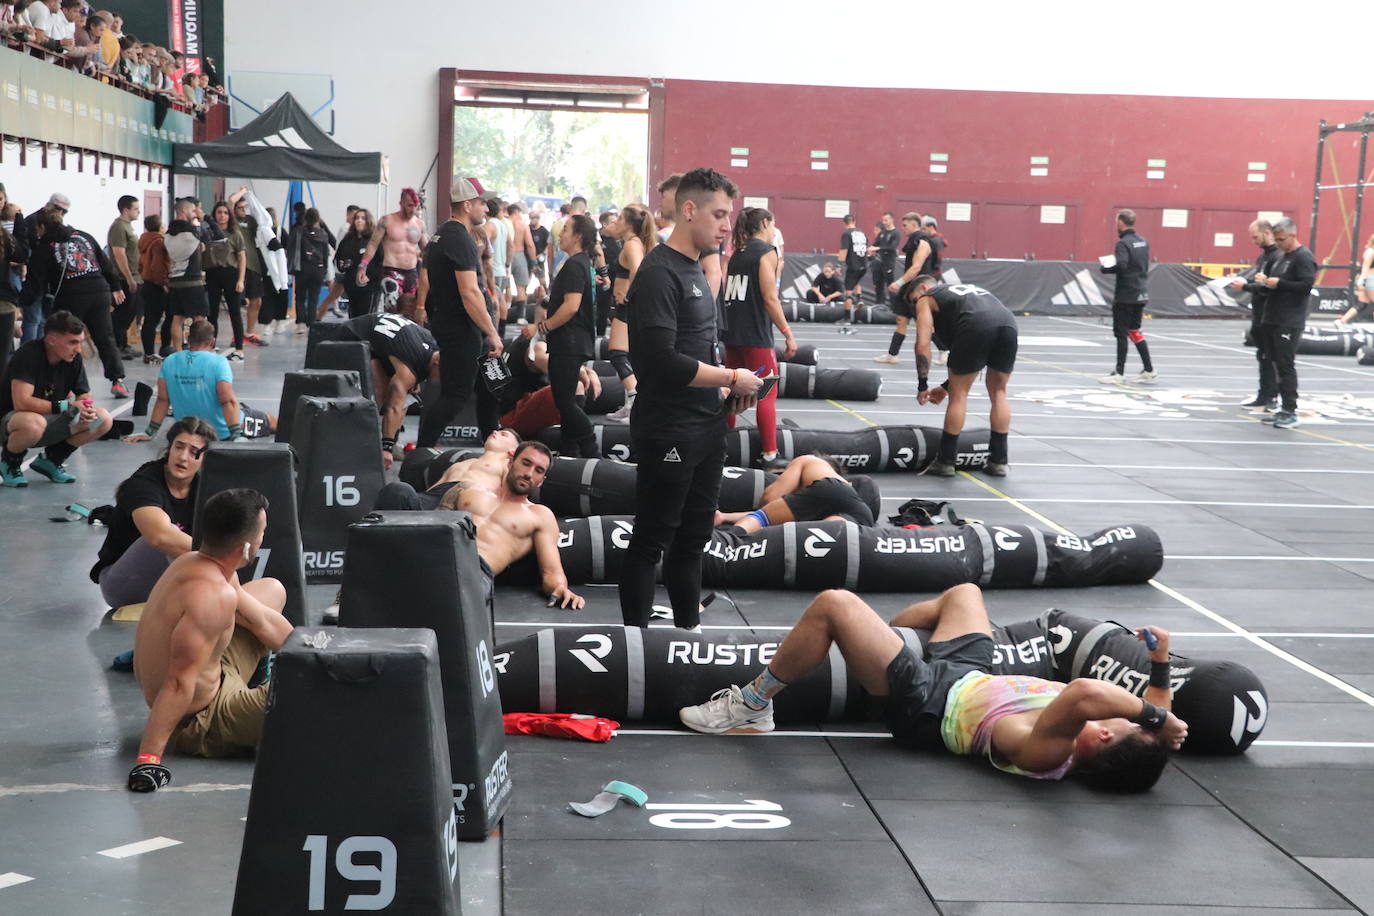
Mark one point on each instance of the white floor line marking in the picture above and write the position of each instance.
(139, 848)
(1275, 559)
(1191, 634)
(1084, 465)
(1209, 614)
(1289, 657)
(1228, 349)
(55, 787)
(1146, 502)
(1089, 416)
(684, 733)
(11, 878)
(1139, 441)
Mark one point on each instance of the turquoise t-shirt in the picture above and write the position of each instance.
(191, 377)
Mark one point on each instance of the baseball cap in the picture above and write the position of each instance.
(60, 200)
(466, 189)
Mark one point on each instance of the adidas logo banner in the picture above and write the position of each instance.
(195, 162)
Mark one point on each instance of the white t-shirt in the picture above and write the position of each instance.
(60, 28)
(777, 238)
(38, 15)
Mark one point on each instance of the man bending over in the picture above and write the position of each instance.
(200, 639)
(494, 488)
(811, 489)
(1023, 725)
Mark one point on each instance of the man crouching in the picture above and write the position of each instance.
(201, 638)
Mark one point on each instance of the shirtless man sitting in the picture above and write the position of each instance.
(200, 640)
(401, 235)
(494, 488)
(1023, 725)
(811, 489)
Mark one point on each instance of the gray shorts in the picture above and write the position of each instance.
(58, 429)
(1367, 284)
(520, 270)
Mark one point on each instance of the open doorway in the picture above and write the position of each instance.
(545, 138)
(549, 157)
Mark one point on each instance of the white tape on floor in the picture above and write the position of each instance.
(140, 848)
(11, 878)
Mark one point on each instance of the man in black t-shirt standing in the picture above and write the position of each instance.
(458, 317)
(45, 402)
(916, 252)
(854, 252)
(1131, 264)
(678, 425)
(1285, 314)
(886, 241)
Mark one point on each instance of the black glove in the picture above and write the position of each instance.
(149, 777)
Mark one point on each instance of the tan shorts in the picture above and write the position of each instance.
(232, 723)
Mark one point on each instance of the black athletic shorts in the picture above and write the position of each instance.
(252, 284)
(853, 277)
(976, 346)
(189, 302)
(901, 305)
(1126, 316)
(412, 345)
(255, 423)
(826, 497)
(917, 689)
(407, 279)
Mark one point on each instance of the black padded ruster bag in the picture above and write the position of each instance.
(352, 775)
(269, 468)
(318, 383)
(420, 569)
(339, 444)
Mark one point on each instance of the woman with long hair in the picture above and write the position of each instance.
(638, 235)
(226, 263)
(1364, 288)
(570, 330)
(350, 252)
(752, 310)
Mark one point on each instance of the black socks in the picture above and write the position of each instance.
(949, 447)
(997, 448)
(1143, 348)
(59, 452)
(895, 347)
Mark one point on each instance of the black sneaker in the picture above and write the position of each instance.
(127, 354)
(1259, 401)
(776, 463)
(940, 469)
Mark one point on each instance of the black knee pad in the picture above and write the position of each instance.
(620, 359)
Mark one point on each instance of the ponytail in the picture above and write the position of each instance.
(751, 220)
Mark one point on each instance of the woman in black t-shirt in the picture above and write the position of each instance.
(310, 246)
(351, 249)
(570, 331)
(752, 310)
(152, 518)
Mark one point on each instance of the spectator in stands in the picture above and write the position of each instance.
(190, 91)
(154, 509)
(89, 36)
(45, 402)
(154, 264)
(72, 265)
(123, 245)
(12, 23)
(109, 42)
(44, 17)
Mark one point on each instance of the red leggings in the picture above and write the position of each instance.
(766, 414)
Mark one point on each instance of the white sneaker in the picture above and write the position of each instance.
(885, 358)
(1114, 378)
(1339, 325)
(235, 355)
(941, 357)
(1145, 378)
(621, 414)
(726, 713)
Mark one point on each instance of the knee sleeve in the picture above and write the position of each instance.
(620, 359)
(1136, 336)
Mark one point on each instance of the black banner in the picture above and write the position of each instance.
(186, 31)
(1064, 287)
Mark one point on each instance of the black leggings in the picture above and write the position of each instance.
(91, 302)
(155, 310)
(220, 282)
(1281, 347)
(576, 437)
(309, 284)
